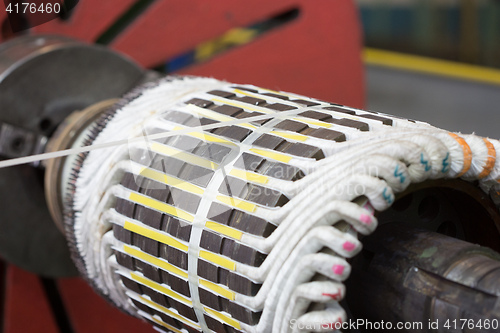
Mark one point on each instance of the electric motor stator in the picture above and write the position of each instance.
(234, 208)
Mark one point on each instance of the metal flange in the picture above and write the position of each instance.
(42, 80)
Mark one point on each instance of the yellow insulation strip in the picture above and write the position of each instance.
(292, 136)
(209, 138)
(217, 289)
(250, 176)
(244, 106)
(209, 113)
(218, 260)
(170, 313)
(237, 203)
(171, 181)
(224, 230)
(155, 261)
(271, 154)
(182, 155)
(216, 116)
(312, 122)
(158, 287)
(167, 326)
(204, 136)
(228, 320)
(161, 206)
(157, 236)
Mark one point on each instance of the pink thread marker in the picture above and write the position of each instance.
(366, 219)
(348, 246)
(338, 269)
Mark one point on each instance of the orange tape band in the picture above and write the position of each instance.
(490, 162)
(467, 153)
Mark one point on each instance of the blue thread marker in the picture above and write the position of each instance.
(387, 197)
(445, 163)
(401, 176)
(424, 162)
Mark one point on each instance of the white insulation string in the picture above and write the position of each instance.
(156, 136)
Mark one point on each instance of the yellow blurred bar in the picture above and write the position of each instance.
(431, 66)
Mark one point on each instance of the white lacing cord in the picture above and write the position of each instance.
(314, 292)
(280, 321)
(376, 165)
(321, 215)
(440, 167)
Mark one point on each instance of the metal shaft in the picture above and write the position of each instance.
(411, 275)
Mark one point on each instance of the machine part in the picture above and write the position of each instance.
(244, 226)
(17, 142)
(450, 207)
(418, 276)
(70, 133)
(42, 80)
